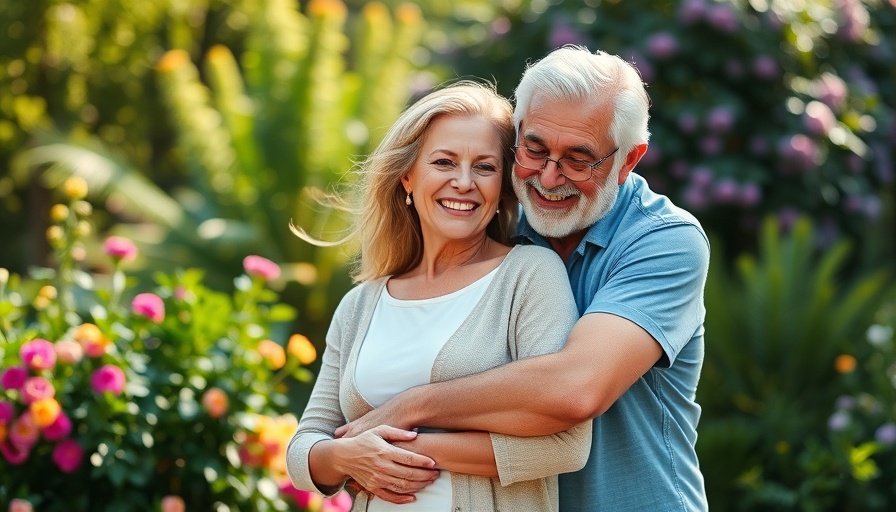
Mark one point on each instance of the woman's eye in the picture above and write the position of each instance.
(485, 168)
(443, 162)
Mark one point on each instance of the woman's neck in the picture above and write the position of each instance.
(446, 257)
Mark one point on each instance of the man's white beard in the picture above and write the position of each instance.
(561, 223)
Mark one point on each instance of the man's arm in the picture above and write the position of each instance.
(604, 355)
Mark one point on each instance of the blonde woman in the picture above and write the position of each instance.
(441, 295)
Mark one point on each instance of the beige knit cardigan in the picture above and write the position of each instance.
(526, 310)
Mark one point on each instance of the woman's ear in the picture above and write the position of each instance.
(406, 183)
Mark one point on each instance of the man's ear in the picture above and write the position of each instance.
(631, 160)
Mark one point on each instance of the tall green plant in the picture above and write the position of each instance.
(261, 134)
(775, 326)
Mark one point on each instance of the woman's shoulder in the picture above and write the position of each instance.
(360, 294)
(533, 255)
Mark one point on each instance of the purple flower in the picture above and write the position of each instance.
(120, 248)
(787, 218)
(722, 18)
(642, 64)
(662, 45)
(886, 434)
(38, 354)
(838, 421)
(765, 67)
(150, 306)
(701, 176)
(562, 34)
(845, 402)
(687, 122)
(14, 377)
(692, 11)
(854, 20)
(67, 455)
(720, 118)
(59, 429)
(695, 197)
(749, 194)
(679, 169)
(109, 378)
(798, 153)
(725, 190)
(711, 145)
(261, 267)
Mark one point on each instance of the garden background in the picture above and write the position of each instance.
(192, 132)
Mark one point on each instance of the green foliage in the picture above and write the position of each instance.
(262, 136)
(779, 329)
(201, 412)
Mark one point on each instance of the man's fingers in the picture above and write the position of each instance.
(341, 431)
(394, 434)
(393, 497)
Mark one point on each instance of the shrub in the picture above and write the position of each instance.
(116, 400)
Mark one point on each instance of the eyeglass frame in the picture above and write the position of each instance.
(559, 165)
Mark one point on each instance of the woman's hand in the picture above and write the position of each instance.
(386, 471)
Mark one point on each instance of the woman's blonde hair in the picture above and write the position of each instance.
(388, 230)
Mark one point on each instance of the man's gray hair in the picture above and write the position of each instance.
(574, 73)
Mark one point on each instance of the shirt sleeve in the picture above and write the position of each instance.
(546, 314)
(657, 282)
(322, 415)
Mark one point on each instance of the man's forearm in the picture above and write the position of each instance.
(530, 397)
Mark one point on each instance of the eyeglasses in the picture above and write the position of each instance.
(572, 168)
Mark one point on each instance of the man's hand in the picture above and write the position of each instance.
(382, 415)
(388, 472)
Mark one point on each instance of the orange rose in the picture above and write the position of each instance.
(302, 349)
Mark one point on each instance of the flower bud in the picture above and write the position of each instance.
(58, 213)
(82, 208)
(75, 188)
(302, 349)
(56, 236)
(82, 229)
(48, 292)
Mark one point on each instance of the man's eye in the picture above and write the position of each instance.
(536, 153)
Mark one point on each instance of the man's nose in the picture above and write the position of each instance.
(551, 176)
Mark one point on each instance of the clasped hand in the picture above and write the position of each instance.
(384, 470)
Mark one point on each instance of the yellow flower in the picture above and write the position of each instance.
(45, 411)
(59, 213)
(302, 349)
(273, 353)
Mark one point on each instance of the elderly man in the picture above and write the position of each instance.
(637, 265)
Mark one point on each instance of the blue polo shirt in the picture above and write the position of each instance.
(645, 261)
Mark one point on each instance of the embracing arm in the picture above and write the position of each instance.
(604, 355)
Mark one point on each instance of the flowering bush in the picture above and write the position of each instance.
(175, 399)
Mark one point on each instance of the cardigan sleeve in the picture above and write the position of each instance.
(543, 314)
(323, 414)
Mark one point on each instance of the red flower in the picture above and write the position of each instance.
(67, 455)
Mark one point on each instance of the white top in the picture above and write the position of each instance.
(398, 353)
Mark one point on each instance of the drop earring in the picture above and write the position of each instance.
(407, 200)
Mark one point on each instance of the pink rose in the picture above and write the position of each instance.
(14, 377)
(38, 354)
(261, 267)
(14, 454)
(109, 378)
(120, 248)
(304, 499)
(24, 432)
(59, 429)
(67, 455)
(6, 412)
(173, 504)
(150, 306)
(37, 388)
(20, 505)
(68, 351)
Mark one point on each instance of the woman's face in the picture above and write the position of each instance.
(456, 180)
